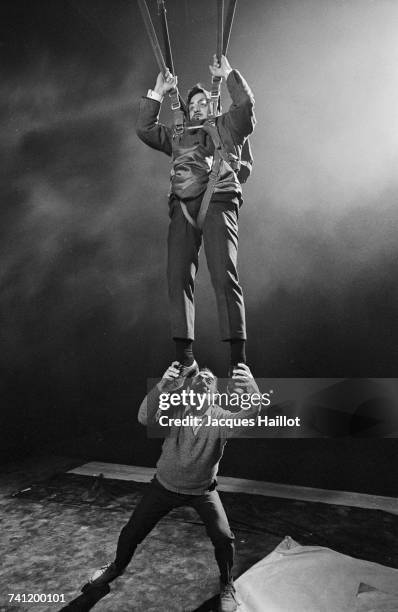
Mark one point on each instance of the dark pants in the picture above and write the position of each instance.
(156, 503)
(220, 237)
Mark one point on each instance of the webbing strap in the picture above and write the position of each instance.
(228, 25)
(178, 113)
(219, 154)
(216, 80)
(166, 38)
(220, 27)
(210, 127)
(186, 214)
(223, 37)
(176, 105)
(215, 170)
(152, 35)
(213, 176)
(176, 102)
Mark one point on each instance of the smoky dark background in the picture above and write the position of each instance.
(83, 296)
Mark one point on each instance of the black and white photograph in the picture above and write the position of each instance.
(199, 305)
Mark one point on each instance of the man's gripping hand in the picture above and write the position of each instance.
(165, 83)
(220, 69)
(171, 379)
(242, 380)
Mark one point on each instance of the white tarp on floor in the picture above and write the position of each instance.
(296, 578)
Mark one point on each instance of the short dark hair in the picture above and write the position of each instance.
(198, 88)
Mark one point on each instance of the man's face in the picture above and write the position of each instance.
(198, 107)
(203, 382)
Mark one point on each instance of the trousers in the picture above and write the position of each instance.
(159, 501)
(220, 238)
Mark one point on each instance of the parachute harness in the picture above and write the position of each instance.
(178, 106)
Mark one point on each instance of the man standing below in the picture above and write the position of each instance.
(207, 146)
(186, 474)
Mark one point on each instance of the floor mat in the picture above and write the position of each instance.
(296, 578)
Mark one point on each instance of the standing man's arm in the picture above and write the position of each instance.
(244, 386)
(243, 383)
(149, 130)
(150, 409)
(240, 115)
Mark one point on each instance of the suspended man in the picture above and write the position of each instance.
(206, 165)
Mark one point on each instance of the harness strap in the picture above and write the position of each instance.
(166, 38)
(220, 26)
(223, 37)
(216, 80)
(213, 176)
(219, 155)
(153, 39)
(215, 171)
(211, 128)
(176, 102)
(178, 113)
(228, 25)
(186, 214)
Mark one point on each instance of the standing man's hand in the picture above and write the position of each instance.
(220, 70)
(165, 83)
(171, 379)
(242, 380)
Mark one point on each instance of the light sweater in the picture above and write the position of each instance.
(190, 458)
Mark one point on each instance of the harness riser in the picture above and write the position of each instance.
(228, 26)
(166, 38)
(153, 39)
(176, 101)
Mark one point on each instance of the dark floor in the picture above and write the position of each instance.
(64, 526)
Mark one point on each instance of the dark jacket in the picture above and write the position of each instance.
(192, 151)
